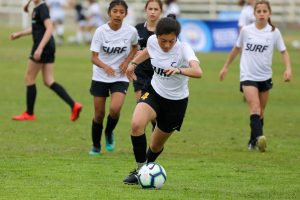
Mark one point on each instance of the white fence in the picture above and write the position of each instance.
(284, 11)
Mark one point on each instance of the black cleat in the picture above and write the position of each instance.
(131, 179)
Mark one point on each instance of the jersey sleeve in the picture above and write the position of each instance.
(96, 41)
(135, 37)
(188, 53)
(44, 12)
(242, 18)
(279, 43)
(239, 42)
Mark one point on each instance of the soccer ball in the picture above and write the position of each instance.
(152, 176)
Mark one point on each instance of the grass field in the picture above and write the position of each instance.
(208, 159)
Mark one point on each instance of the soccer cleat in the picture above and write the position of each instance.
(95, 151)
(132, 179)
(110, 141)
(261, 143)
(76, 111)
(24, 116)
(251, 146)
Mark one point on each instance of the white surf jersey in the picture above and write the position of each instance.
(113, 47)
(173, 87)
(247, 16)
(257, 51)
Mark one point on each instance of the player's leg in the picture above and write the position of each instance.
(251, 94)
(117, 101)
(118, 92)
(158, 139)
(142, 115)
(49, 81)
(31, 73)
(97, 124)
(261, 140)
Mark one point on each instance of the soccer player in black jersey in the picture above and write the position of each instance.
(144, 72)
(42, 58)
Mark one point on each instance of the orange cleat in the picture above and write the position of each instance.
(24, 116)
(76, 111)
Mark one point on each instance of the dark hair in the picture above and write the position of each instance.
(157, 1)
(168, 25)
(117, 2)
(27, 6)
(168, 2)
(241, 2)
(269, 7)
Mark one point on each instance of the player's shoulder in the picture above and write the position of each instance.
(140, 26)
(128, 27)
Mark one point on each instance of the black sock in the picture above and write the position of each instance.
(96, 134)
(151, 156)
(110, 124)
(262, 125)
(30, 98)
(62, 93)
(256, 127)
(139, 144)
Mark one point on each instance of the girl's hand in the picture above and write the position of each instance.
(37, 54)
(287, 76)
(223, 73)
(14, 36)
(123, 67)
(109, 70)
(130, 72)
(172, 71)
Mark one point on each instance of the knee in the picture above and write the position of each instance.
(29, 80)
(136, 128)
(114, 112)
(99, 116)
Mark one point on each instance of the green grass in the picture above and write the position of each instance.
(208, 159)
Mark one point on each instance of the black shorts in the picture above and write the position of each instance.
(48, 55)
(102, 89)
(143, 79)
(170, 113)
(262, 86)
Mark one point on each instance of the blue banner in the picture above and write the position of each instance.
(207, 36)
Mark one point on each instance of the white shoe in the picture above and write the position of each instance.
(261, 143)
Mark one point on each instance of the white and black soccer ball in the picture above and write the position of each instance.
(152, 176)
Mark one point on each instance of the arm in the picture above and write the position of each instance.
(193, 71)
(46, 37)
(144, 55)
(287, 76)
(131, 55)
(96, 61)
(19, 34)
(235, 51)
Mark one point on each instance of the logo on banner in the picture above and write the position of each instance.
(197, 35)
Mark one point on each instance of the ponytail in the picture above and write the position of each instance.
(26, 6)
(269, 21)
